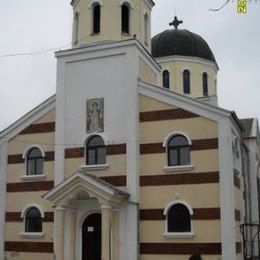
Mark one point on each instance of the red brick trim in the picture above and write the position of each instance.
(78, 152)
(39, 128)
(178, 179)
(237, 215)
(119, 181)
(237, 181)
(18, 158)
(29, 186)
(16, 217)
(168, 114)
(199, 214)
(35, 247)
(238, 247)
(180, 248)
(202, 144)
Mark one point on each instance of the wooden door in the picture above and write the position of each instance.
(91, 237)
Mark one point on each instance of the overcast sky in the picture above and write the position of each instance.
(33, 25)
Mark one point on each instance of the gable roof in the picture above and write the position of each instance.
(29, 118)
(247, 124)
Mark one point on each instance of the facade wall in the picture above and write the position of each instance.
(199, 186)
(111, 18)
(22, 192)
(196, 68)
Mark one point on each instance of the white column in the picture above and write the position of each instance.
(106, 220)
(59, 233)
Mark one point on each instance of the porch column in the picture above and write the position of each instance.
(73, 233)
(59, 233)
(106, 218)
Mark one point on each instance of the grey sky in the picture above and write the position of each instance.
(32, 25)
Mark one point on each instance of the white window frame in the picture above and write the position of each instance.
(23, 216)
(177, 168)
(26, 177)
(178, 234)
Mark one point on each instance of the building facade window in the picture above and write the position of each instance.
(186, 82)
(34, 162)
(178, 219)
(95, 151)
(205, 84)
(125, 18)
(146, 28)
(33, 221)
(166, 79)
(76, 28)
(96, 18)
(178, 150)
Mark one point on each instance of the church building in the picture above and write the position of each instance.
(132, 159)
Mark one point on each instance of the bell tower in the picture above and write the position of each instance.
(111, 20)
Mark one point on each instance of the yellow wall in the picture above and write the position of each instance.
(146, 74)
(28, 256)
(111, 22)
(176, 69)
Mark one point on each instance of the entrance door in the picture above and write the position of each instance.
(91, 237)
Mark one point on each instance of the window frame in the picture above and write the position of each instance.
(93, 29)
(126, 5)
(28, 233)
(95, 149)
(185, 234)
(25, 157)
(205, 84)
(186, 82)
(166, 76)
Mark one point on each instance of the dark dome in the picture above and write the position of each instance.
(181, 42)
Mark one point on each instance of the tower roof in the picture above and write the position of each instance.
(182, 43)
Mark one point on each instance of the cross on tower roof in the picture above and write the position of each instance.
(175, 22)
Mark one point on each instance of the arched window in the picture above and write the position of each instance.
(95, 151)
(96, 17)
(178, 219)
(76, 27)
(205, 83)
(186, 82)
(178, 150)
(166, 79)
(125, 18)
(33, 220)
(34, 162)
(146, 28)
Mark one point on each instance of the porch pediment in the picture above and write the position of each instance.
(89, 184)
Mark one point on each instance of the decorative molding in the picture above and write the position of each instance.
(33, 247)
(39, 128)
(179, 168)
(98, 167)
(29, 186)
(185, 235)
(32, 177)
(179, 179)
(18, 158)
(78, 152)
(202, 144)
(169, 114)
(32, 235)
(16, 217)
(28, 149)
(180, 248)
(24, 211)
(172, 134)
(165, 212)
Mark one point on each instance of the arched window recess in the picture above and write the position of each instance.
(186, 82)
(34, 160)
(179, 215)
(32, 219)
(125, 18)
(95, 153)
(96, 17)
(166, 79)
(205, 84)
(177, 146)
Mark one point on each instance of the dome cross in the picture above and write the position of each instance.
(175, 22)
